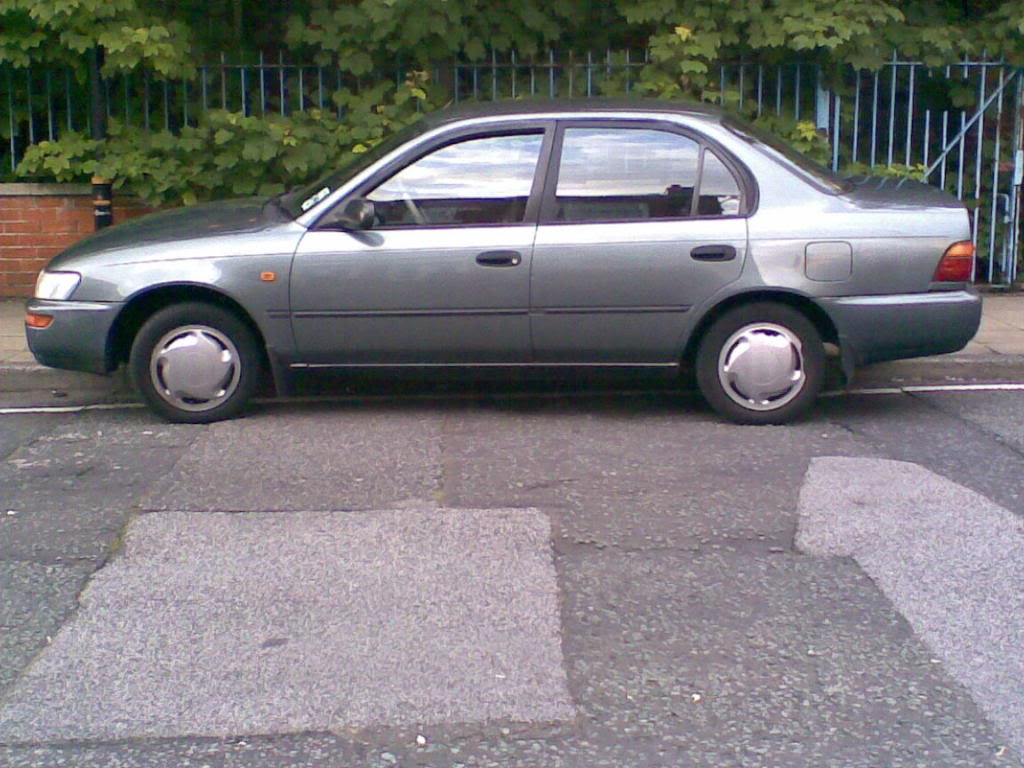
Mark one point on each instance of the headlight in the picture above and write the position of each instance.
(56, 285)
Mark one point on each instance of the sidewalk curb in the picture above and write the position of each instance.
(942, 369)
(31, 377)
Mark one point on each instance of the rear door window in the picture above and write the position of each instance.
(629, 174)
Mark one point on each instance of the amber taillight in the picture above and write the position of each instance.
(956, 263)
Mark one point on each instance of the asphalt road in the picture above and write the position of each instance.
(518, 579)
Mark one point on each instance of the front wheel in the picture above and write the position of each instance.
(195, 363)
(761, 363)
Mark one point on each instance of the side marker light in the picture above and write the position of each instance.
(32, 320)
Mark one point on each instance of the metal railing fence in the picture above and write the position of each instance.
(958, 126)
(43, 103)
(39, 104)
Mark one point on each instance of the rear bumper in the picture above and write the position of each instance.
(873, 329)
(77, 338)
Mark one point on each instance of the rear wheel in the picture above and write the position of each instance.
(195, 363)
(761, 363)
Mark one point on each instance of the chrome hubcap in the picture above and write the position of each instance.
(761, 366)
(195, 368)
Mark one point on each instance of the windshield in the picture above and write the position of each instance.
(773, 146)
(301, 199)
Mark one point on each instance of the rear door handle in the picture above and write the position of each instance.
(713, 253)
(499, 258)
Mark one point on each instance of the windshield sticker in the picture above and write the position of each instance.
(310, 202)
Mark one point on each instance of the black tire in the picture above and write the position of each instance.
(761, 363)
(195, 363)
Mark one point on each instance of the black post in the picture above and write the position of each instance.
(101, 190)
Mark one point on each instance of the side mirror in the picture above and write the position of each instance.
(355, 215)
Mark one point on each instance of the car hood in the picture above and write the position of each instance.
(219, 219)
(888, 193)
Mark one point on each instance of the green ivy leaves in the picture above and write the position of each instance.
(229, 154)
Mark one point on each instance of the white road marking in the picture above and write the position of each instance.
(1006, 387)
(13, 410)
(1009, 387)
(949, 559)
(42, 409)
(871, 391)
(924, 388)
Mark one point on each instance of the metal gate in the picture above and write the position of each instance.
(957, 127)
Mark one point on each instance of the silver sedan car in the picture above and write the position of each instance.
(645, 234)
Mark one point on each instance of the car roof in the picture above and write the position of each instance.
(570, 107)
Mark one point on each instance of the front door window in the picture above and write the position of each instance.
(477, 181)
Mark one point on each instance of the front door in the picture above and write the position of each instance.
(441, 277)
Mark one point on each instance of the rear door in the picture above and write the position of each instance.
(640, 222)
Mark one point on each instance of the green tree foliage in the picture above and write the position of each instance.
(364, 34)
(129, 33)
(1002, 31)
(686, 37)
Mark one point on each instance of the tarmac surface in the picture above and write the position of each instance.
(692, 632)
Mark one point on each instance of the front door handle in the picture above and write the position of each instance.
(499, 258)
(713, 253)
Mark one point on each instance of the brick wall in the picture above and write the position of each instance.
(38, 221)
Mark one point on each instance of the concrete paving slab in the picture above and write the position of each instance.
(976, 348)
(950, 560)
(308, 458)
(1008, 309)
(13, 348)
(1006, 343)
(992, 324)
(235, 624)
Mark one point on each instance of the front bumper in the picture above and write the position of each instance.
(77, 339)
(873, 329)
